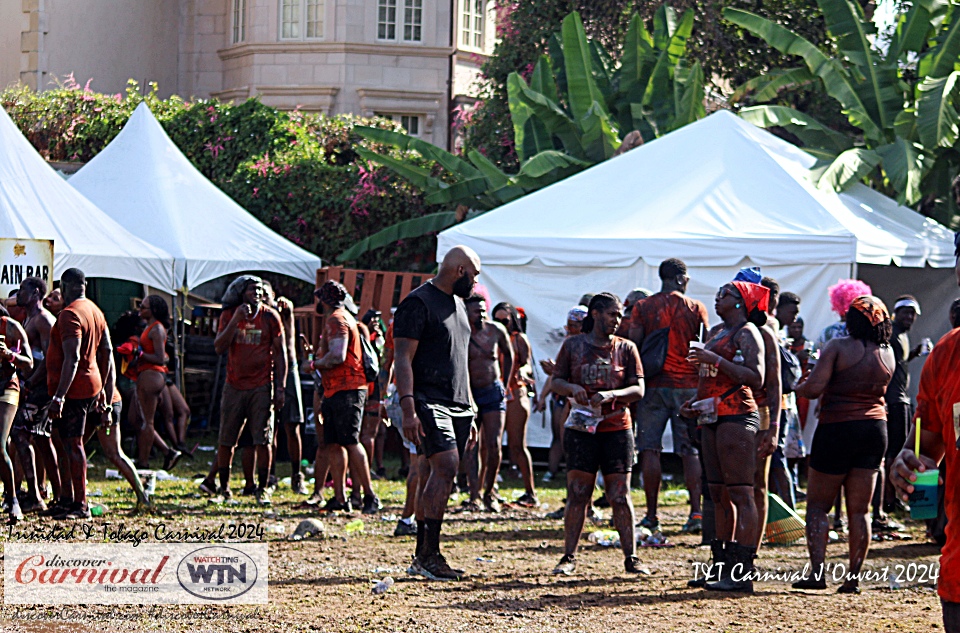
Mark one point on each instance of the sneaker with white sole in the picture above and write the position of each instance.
(566, 566)
(434, 566)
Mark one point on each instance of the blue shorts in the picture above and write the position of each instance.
(490, 399)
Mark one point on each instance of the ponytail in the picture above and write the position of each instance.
(586, 326)
(758, 317)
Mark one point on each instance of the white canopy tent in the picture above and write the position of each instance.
(36, 203)
(145, 183)
(719, 194)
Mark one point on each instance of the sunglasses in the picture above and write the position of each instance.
(724, 292)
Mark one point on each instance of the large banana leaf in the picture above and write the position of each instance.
(582, 89)
(554, 119)
(903, 163)
(448, 161)
(542, 79)
(941, 60)
(599, 141)
(602, 73)
(557, 63)
(690, 104)
(636, 62)
(490, 171)
(664, 26)
(529, 134)
(913, 28)
(418, 176)
(472, 191)
(766, 87)
(937, 117)
(817, 138)
(879, 90)
(677, 47)
(408, 229)
(547, 168)
(849, 167)
(836, 80)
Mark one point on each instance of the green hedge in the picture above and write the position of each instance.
(296, 172)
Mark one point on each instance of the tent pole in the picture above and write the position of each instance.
(853, 270)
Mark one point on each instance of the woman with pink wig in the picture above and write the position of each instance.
(842, 295)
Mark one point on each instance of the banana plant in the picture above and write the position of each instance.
(903, 102)
(571, 114)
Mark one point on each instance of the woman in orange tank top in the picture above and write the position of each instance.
(152, 375)
(731, 367)
(14, 355)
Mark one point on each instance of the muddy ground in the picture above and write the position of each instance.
(325, 584)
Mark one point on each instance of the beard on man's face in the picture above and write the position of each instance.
(463, 286)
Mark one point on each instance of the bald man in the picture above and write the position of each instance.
(431, 340)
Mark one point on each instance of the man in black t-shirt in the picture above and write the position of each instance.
(431, 340)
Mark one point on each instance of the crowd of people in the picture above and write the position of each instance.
(753, 405)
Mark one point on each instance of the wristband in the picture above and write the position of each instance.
(717, 364)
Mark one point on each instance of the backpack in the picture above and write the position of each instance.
(790, 370)
(653, 353)
(371, 362)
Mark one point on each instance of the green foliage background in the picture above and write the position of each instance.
(729, 56)
(297, 172)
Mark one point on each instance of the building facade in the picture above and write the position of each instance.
(411, 60)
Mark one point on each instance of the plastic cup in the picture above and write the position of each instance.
(697, 345)
(923, 499)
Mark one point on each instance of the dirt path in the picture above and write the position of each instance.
(325, 585)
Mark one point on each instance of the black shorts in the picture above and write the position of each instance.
(491, 398)
(445, 428)
(342, 416)
(73, 419)
(898, 419)
(611, 453)
(839, 447)
(32, 415)
(95, 418)
(292, 412)
(749, 421)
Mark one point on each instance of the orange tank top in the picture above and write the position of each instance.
(715, 383)
(147, 344)
(8, 372)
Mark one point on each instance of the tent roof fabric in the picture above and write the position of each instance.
(36, 203)
(712, 192)
(142, 180)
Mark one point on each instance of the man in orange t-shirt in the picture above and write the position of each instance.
(252, 336)
(340, 361)
(78, 360)
(667, 390)
(938, 411)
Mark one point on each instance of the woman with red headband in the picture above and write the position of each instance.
(851, 439)
(731, 368)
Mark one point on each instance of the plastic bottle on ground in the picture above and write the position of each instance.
(383, 586)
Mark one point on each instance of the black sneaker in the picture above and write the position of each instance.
(435, 567)
(59, 507)
(67, 512)
(371, 504)
(249, 490)
(171, 459)
(81, 511)
(335, 506)
(405, 529)
(356, 500)
(566, 566)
